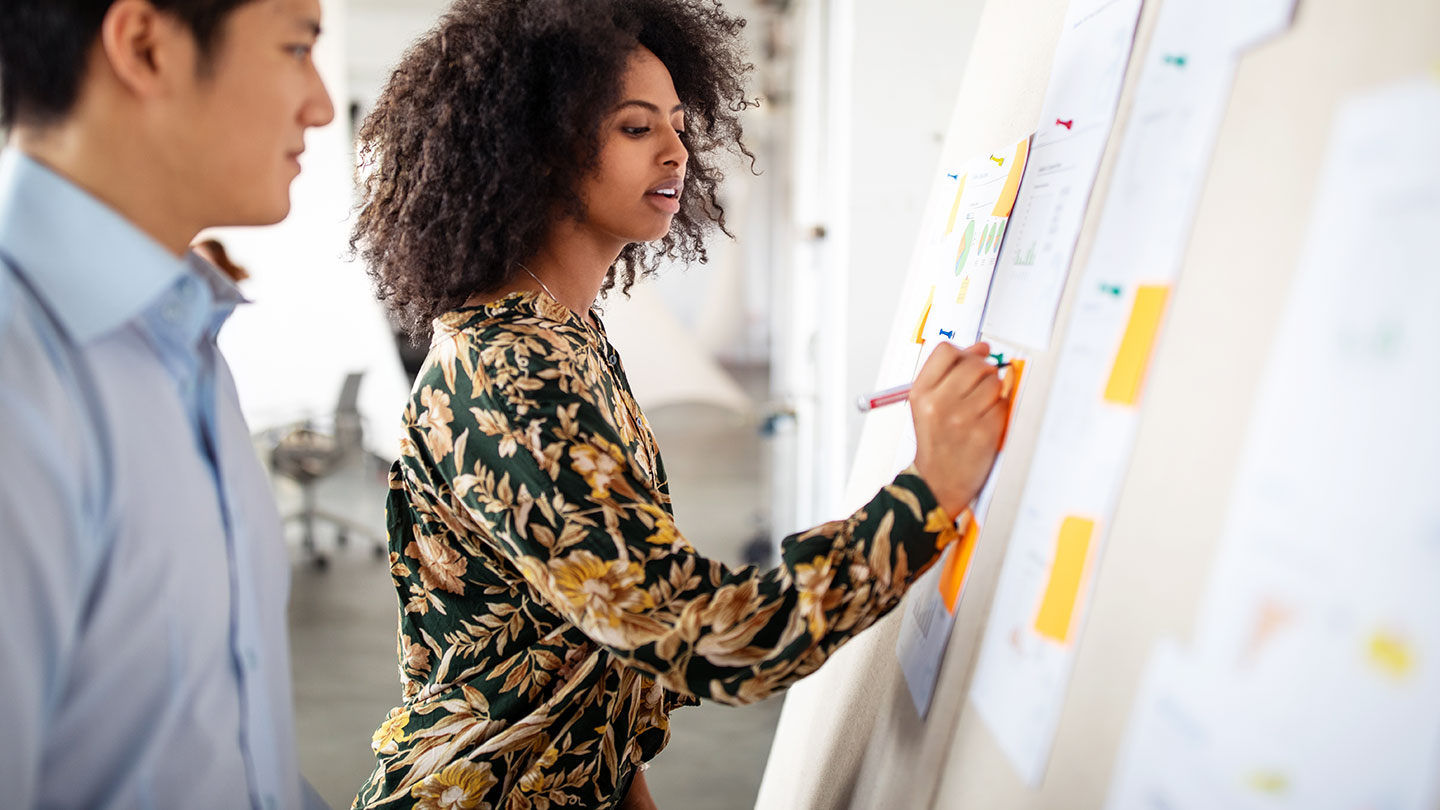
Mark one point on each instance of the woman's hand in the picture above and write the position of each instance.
(959, 417)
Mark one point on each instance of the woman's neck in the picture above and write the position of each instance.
(571, 267)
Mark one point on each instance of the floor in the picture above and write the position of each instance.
(343, 624)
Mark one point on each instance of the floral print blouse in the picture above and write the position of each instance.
(551, 615)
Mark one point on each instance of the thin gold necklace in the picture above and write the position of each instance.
(538, 281)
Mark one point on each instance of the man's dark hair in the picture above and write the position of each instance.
(491, 121)
(44, 46)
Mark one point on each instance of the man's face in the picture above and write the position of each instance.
(235, 134)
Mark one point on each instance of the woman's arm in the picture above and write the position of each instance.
(639, 797)
(541, 467)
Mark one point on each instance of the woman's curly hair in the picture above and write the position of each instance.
(490, 122)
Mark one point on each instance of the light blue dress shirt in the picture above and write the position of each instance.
(143, 574)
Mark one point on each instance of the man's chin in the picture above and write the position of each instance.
(272, 214)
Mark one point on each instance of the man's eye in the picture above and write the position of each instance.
(635, 130)
(300, 52)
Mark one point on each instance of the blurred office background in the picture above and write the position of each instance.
(746, 366)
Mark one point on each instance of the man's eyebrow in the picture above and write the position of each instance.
(310, 24)
(647, 105)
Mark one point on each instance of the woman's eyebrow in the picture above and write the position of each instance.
(647, 105)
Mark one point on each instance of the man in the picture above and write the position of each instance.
(143, 577)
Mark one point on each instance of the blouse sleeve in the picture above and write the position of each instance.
(536, 462)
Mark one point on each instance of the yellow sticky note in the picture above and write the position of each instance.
(1391, 655)
(919, 335)
(955, 207)
(1057, 608)
(1269, 783)
(1128, 374)
(964, 290)
(1006, 203)
(957, 565)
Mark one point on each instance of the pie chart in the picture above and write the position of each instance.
(967, 241)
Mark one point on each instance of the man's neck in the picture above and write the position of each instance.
(111, 165)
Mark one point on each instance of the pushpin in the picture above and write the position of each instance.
(1065, 124)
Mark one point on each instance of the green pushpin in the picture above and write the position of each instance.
(1111, 289)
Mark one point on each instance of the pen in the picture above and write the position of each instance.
(900, 393)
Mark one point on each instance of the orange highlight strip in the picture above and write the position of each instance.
(1057, 608)
(955, 207)
(1006, 203)
(1127, 376)
(919, 336)
(1010, 391)
(957, 564)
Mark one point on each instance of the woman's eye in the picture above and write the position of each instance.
(300, 52)
(635, 130)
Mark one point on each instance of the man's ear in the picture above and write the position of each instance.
(146, 49)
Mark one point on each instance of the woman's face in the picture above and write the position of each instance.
(635, 192)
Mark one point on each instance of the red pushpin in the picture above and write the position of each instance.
(1065, 124)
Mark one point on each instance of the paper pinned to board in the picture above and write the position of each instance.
(1314, 678)
(1085, 441)
(961, 262)
(1070, 138)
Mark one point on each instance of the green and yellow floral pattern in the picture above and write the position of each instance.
(551, 615)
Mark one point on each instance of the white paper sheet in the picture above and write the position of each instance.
(1089, 426)
(1319, 638)
(1070, 139)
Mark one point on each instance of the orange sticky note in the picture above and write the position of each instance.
(1128, 374)
(919, 336)
(1010, 391)
(955, 206)
(1006, 203)
(1057, 608)
(957, 564)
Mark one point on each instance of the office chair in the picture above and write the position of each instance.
(307, 455)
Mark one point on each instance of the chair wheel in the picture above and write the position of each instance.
(342, 537)
(321, 562)
(381, 552)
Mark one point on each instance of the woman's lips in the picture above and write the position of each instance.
(669, 205)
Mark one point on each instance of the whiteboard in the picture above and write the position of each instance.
(849, 736)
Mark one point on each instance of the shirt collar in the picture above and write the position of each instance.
(93, 269)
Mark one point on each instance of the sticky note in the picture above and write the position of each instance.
(955, 207)
(1057, 607)
(1128, 374)
(919, 335)
(1010, 391)
(1269, 783)
(957, 564)
(1391, 655)
(1006, 203)
(964, 290)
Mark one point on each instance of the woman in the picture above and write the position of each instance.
(525, 157)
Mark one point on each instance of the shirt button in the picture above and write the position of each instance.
(251, 659)
(271, 803)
